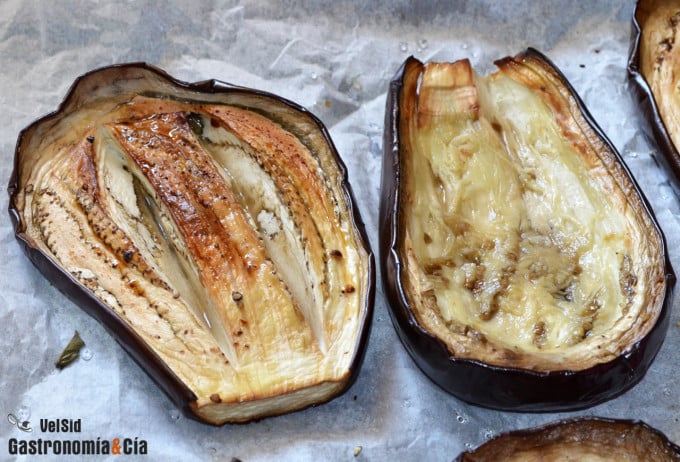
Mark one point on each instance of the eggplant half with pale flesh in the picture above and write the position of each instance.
(210, 228)
(581, 439)
(524, 268)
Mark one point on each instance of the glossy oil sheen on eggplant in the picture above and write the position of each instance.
(654, 68)
(210, 228)
(523, 267)
(580, 439)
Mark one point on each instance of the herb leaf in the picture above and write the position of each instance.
(71, 351)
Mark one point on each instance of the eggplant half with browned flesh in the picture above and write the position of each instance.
(210, 228)
(654, 70)
(581, 439)
(524, 268)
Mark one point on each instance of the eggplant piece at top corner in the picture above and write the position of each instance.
(653, 76)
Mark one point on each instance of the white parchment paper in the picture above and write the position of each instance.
(336, 58)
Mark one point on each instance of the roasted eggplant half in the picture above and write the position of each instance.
(653, 68)
(210, 228)
(580, 439)
(523, 266)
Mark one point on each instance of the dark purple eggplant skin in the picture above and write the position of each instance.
(131, 342)
(650, 119)
(490, 386)
(595, 426)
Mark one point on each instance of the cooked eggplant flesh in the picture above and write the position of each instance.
(525, 244)
(659, 52)
(222, 239)
(583, 439)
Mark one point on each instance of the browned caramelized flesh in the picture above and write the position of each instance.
(224, 240)
(591, 440)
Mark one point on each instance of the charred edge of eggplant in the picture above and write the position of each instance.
(653, 125)
(601, 422)
(131, 342)
(478, 383)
